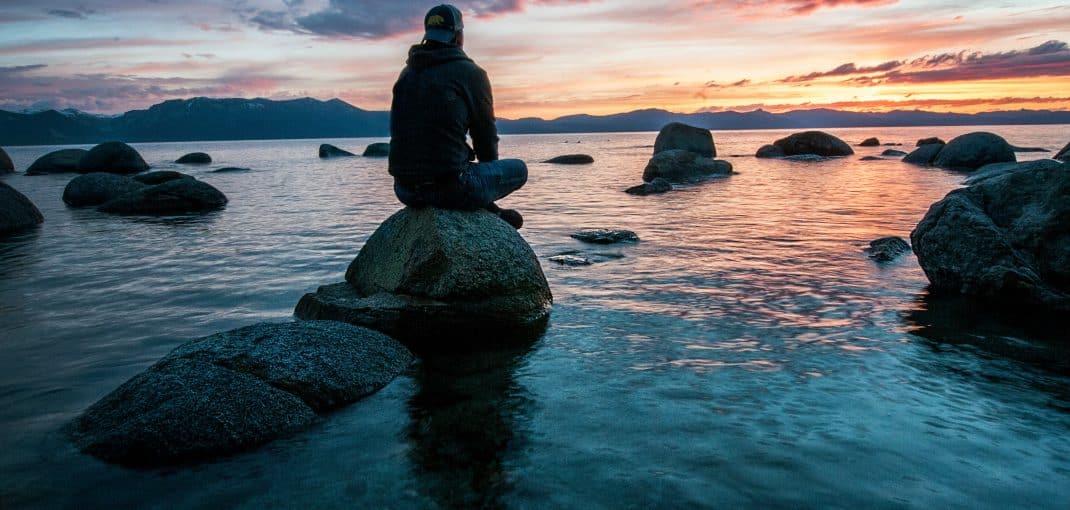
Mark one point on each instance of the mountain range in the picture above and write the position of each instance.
(204, 119)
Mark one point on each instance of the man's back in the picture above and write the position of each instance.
(440, 95)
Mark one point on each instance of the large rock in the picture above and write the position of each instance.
(329, 151)
(97, 188)
(769, 151)
(235, 390)
(1005, 238)
(6, 165)
(997, 169)
(377, 150)
(194, 158)
(112, 157)
(658, 185)
(813, 142)
(974, 150)
(924, 154)
(571, 159)
(16, 211)
(427, 269)
(177, 196)
(1064, 155)
(677, 136)
(57, 162)
(684, 166)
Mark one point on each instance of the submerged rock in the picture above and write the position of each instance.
(924, 154)
(684, 166)
(678, 136)
(893, 153)
(769, 151)
(377, 150)
(194, 158)
(6, 165)
(1064, 155)
(814, 142)
(1003, 239)
(112, 157)
(568, 259)
(606, 236)
(929, 141)
(17, 212)
(871, 158)
(430, 270)
(329, 151)
(805, 157)
(571, 159)
(160, 177)
(177, 196)
(974, 150)
(57, 162)
(887, 249)
(97, 188)
(658, 185)
(870, 142)
(235, 390)
(231, 170)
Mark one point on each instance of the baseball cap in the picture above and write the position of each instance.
(442, 23)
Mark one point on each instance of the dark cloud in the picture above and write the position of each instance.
(21, 69)
(934, 104)
(88, 43)
(843, 70)
(715, 85)
(807, 7)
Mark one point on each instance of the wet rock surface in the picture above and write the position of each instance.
(679, 136)
(98, 187)
(887, 249)
(605, 236)
(680, 166)
(657, 185)
(974, 150)
(177, 196)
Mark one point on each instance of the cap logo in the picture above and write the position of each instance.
(435, 21)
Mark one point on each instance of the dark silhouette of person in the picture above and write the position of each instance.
(440, 98)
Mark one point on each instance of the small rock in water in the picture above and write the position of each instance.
(377, 150)
(1029, 149)
(813, 142)
(329, 151)
(769, 151)
(194, 158)
(571, 159)
(571, 260)
(928, 141)
(57, 162)
(870, 142)
(658, 185)
(605, 236)
(872, 158)
(893, 153)
(887, 249)
(231, 169)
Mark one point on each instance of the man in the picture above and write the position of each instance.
(440, 97)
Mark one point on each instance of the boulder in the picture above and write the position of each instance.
(929, 141)
(428, 270)
(194, 158)
(112, 157)
(97, 188)
(769, 151)
(893, 153)
(997, 169)
(924, 154)
(658, 185)
(677, 136)
(974, 150)
(571, 159)
(16, 211)
(1064, 155)
(177, 196)
(57, 162)
(870, 142)
(814, 142)
(330, 151)
(684, 166)
(377, 150)
(160, 177)
(605, 236)
(1005, 238)
(887, 249)
(235, 390)
(6, 166)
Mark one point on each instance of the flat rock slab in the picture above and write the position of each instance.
(235, 390)
(606, 236)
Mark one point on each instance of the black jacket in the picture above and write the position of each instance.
(440, 96)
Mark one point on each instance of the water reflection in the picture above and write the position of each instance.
(465, 419)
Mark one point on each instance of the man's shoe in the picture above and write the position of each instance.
(512, 217)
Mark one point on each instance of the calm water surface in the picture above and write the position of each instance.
(744, 353)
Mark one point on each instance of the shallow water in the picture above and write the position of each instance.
(745, 353)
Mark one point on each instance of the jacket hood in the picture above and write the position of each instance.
(422, 56)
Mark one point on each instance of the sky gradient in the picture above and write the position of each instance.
(547, 58)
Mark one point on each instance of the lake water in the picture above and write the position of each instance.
(745, 353)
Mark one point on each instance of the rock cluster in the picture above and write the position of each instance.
(1004, 238)
(155, 193)
(17, 212)
(235, 390)
(682, 154)
(429, 270)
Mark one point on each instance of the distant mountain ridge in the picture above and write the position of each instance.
(205, 119)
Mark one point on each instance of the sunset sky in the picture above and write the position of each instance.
(547, 58)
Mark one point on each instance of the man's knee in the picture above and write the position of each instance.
(519, 171)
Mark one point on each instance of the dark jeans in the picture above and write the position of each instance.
(476, 187)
